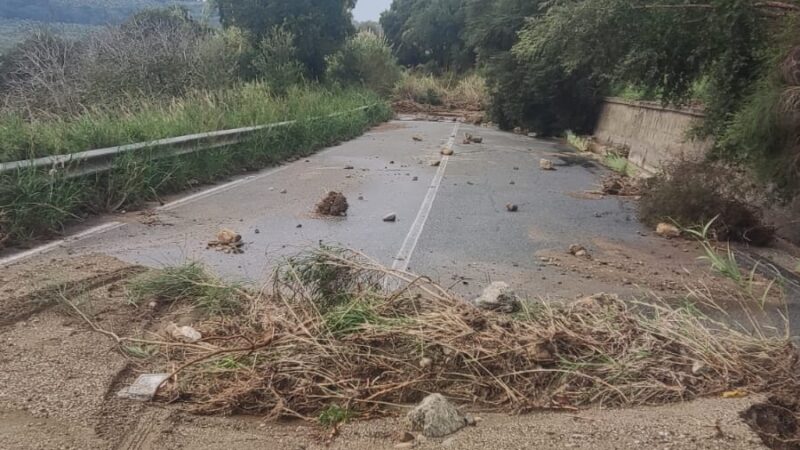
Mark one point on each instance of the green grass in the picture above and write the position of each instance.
(141, 120)
(189, 282)
(580, 143)
(35, 203)
(619, 164)
(334, 415)
(350, 317)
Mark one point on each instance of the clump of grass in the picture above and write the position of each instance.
(580, 143)
(350, 317)
(334, 415)
(725, 263)
(602, 352)
(619, 164)
(187, 283)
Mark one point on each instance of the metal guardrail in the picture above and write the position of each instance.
(99, 160)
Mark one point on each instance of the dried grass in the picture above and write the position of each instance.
(329, 332)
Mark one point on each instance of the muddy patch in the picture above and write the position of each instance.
(776, 420)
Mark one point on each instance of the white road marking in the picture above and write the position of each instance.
(53, 245)
(403, 258)
(114, 225)
(216, 190)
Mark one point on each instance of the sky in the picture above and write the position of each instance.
(370, 9)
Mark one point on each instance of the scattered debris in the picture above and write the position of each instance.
(499, 297)
(470, 139)
(228, 241)
(595, 301)
(283, 191)
(546, 164)
(348, 167)
(618, 184)
(435, 163)
(150, 218)
(579, 251)
(390, 217)
(298, 327)
(667, 230)
(447, 151)
(417, 138)
(144, 388)
(334, 204)
(736, 393)
(511, 207)
(415, 179)
(184, 334)
(436, 417)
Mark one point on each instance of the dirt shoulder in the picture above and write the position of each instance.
(59, 381)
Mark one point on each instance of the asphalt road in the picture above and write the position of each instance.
(452, 223)
(466, 233)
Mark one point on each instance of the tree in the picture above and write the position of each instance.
(429, 32)
(319, 27)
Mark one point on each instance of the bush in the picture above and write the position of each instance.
(275, 60)
(693, 194)
(366, 60)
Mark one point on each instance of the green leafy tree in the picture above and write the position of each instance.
(429, 32)
(365, 60)
(319, 27)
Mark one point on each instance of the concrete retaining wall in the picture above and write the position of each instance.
(654, 134)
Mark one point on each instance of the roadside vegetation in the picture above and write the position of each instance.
(162, 73)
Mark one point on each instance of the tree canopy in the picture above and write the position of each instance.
(429, 32)
(319, 27)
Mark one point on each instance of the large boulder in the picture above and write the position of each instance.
(435, 417)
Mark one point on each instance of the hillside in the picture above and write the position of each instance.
(87, 12)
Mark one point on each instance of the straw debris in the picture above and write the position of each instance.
(329, 332)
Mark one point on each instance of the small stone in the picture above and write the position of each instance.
(348, 167)
(435, 417)
(470, 420)
(668, 230)
(361, 197)
(415, 179)
(425, 362)
(498, 296)
(435, 163)
(405, 437)
(574, 249)
(257, 231)
(546, 164)
(184, 334)
(390, 217)
(299, 225)
(447, 151)
(144, 388)
(416, 138)
(698, 367)
(512, 207)
(391, 162)
(511, 182)
(283, 191)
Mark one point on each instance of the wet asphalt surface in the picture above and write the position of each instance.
(468, 240)
(468, 236)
